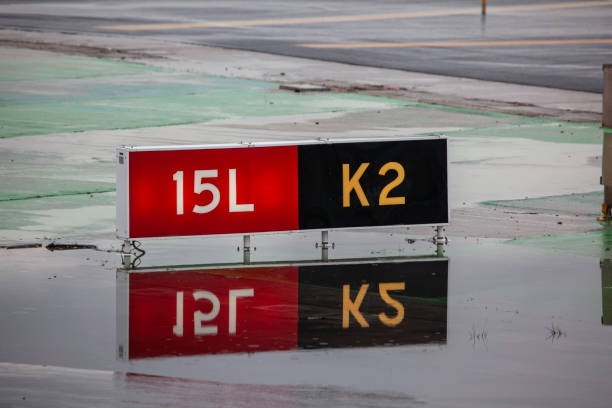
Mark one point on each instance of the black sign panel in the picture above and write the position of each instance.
(372, 304)
(373, 183)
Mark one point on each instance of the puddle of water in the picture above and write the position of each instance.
(496, 325)
(40, 386)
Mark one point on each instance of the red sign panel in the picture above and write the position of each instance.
(239, 190)
(209, 312)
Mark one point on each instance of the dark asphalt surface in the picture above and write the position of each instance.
(565, 66)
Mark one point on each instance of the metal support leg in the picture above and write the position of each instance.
(439, 250)
(246, 249)
(325, 246)
(439, 240)
(126, 254)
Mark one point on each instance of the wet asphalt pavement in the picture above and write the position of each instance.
(559, 44)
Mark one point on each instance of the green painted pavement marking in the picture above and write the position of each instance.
(544, 131)
(66, 211)
(24, 65)
(35, 175)
(576, 204)
(597, 243)
(31, 119)
(22, 188)
(60, 202)
(95, 94)
(42, 93)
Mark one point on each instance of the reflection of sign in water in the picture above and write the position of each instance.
(211, 311)
(226, 189)
(281, 307)
(367, 304)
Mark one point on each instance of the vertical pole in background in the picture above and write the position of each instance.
(483, 18)
(606, 161)
(439, 240)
